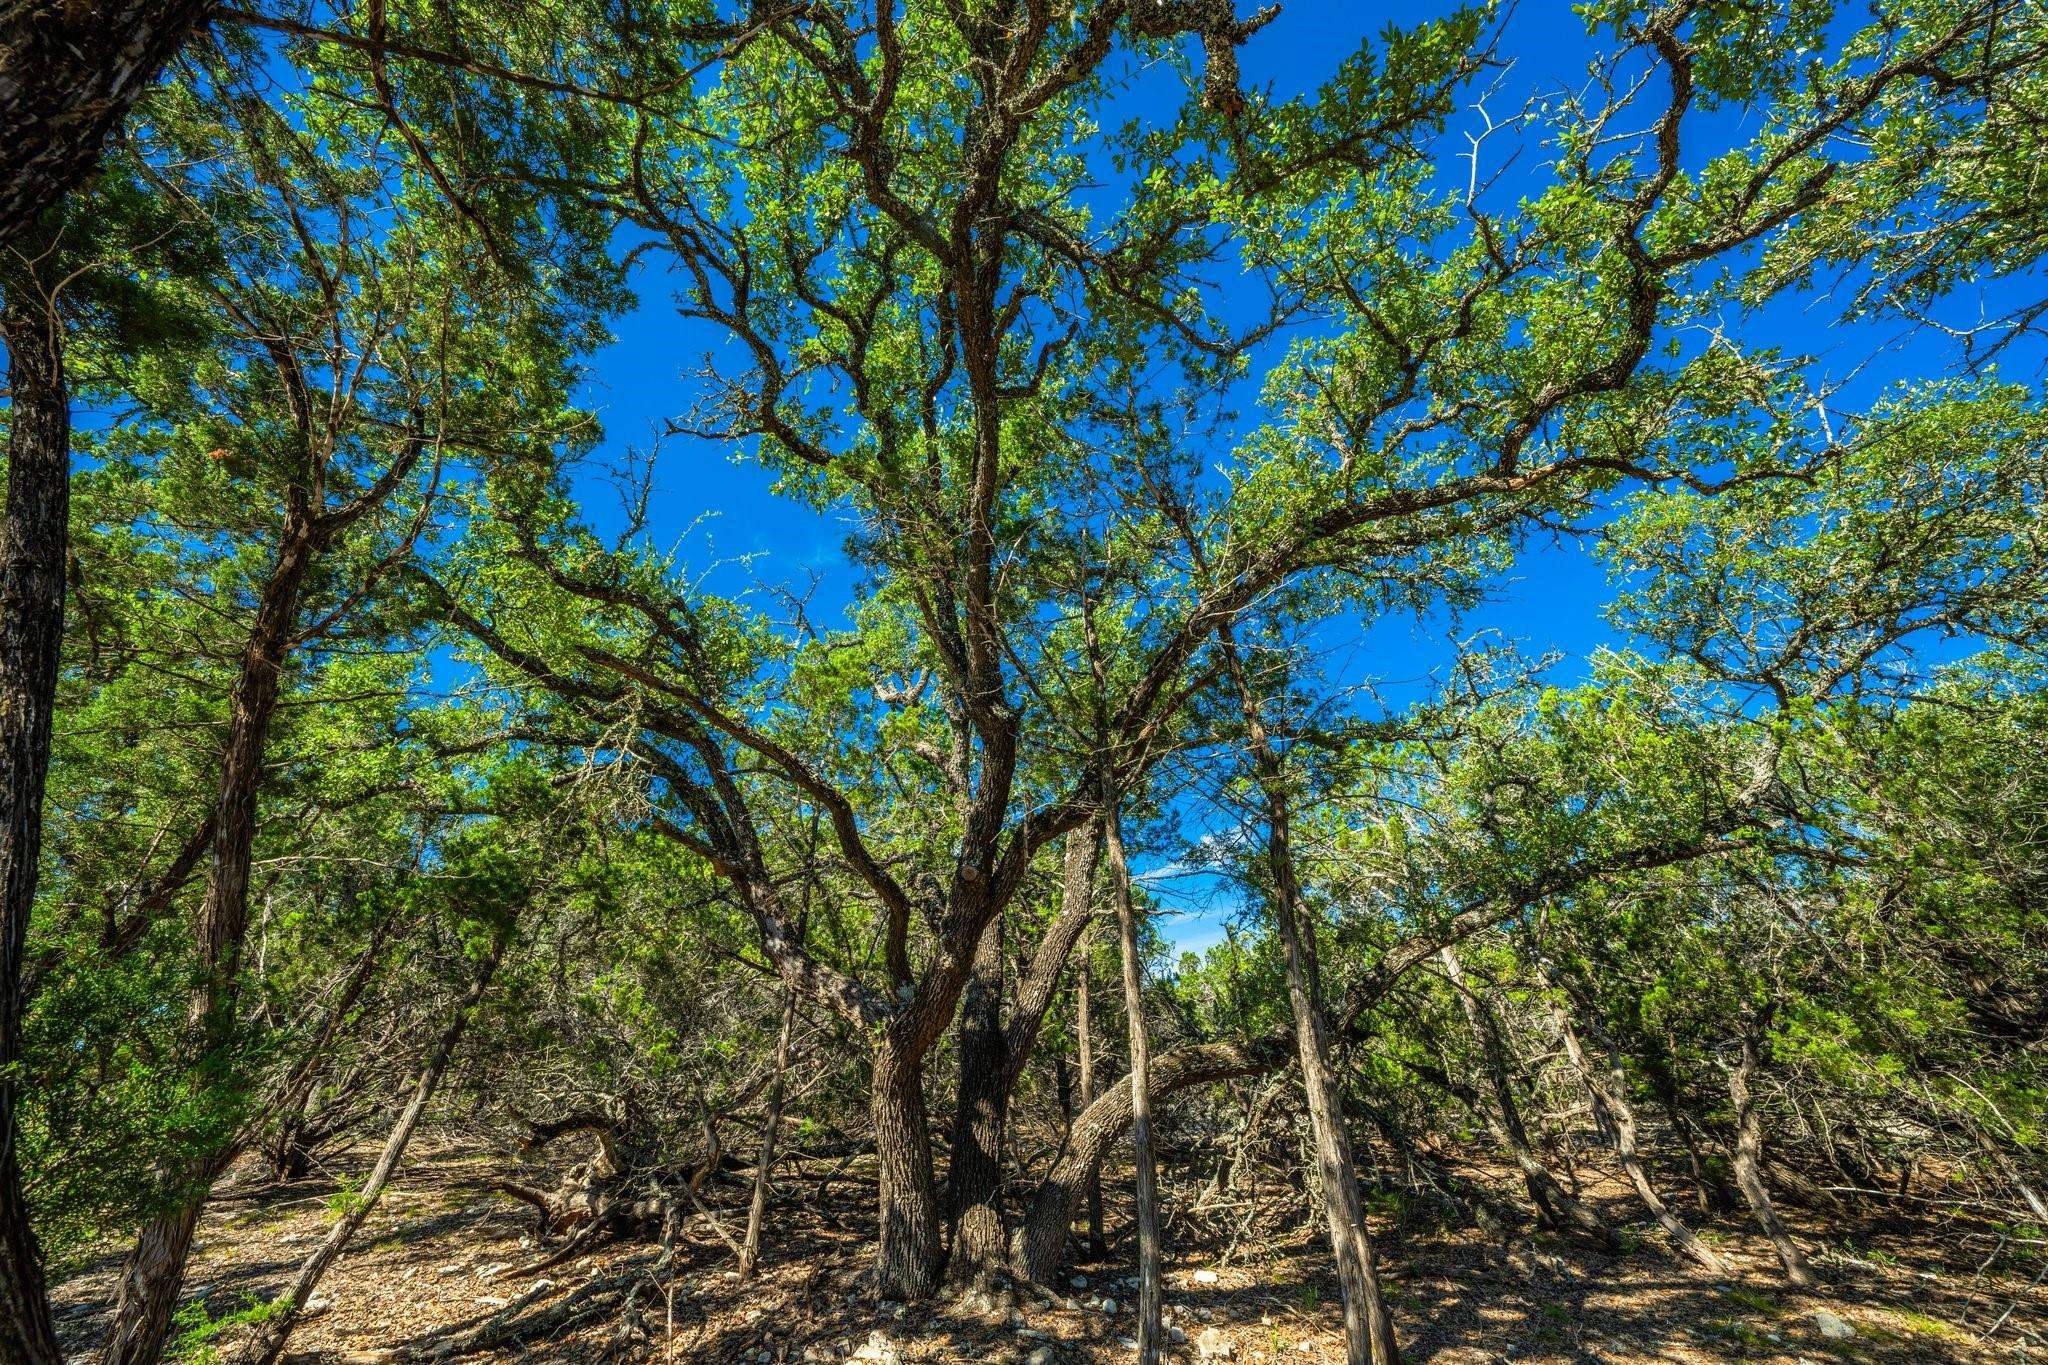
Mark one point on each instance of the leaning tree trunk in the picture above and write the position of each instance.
(1749, 1148)
(150, 1278)
(69, 73)
(1368, 1332)
(269, 1342)
(32, 546)
(1039, 1246)
(1611, 1102)
(1555, 1206)
(1149, 1330)
(764, 1165)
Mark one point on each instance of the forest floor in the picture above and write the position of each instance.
(439, 1255)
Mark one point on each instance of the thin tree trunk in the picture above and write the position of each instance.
(32, 546)
(1555, 1206)
(269, 1342)
(290, 1156)
(1084, 1029)
(1749, 1148)
(1610, 1103)
(764, 1165)
(68, 76)
(1368, 1333)
(1149, 1333)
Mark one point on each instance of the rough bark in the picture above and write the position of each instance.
(764, 1165)
(907, 1250)
(1607, 1091)
(974, 1176)
(32, 545)
(1368, 1333)
(69, 74)
(1749, 1147)
(1555, 1206)
(269, 1342)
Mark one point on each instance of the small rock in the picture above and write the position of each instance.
(492, 1301)
(1071, 1305)
(879, 1348)
(1079, 1282)
(1206, 1277)
(1832, 1327)
(1304, 1346)
(316, 1305)
(1108, 1305)
(1213, 1345)
(1042, 1356)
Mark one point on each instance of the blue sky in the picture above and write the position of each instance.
(719, 506)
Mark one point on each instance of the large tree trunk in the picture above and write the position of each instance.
(1149, 1328)
(69, 73)
(1368, 1333)
(974, 1175)
(764, 1165)
(1555, 1206)
(32, 546)
(907, 1252)
(268, 1343)
(1749, 1148)
(1608, 1093)
(149, 1282)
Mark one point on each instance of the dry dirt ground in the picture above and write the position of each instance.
(439, 1257)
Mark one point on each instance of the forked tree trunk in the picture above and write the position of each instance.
(764, 1165)
(32, 546)
(270, 1339)
(1555, 1206)
(1610, 1103)
(1368, 1332)
(993, 1057)
(1149, 1330)
(1749, 1148)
